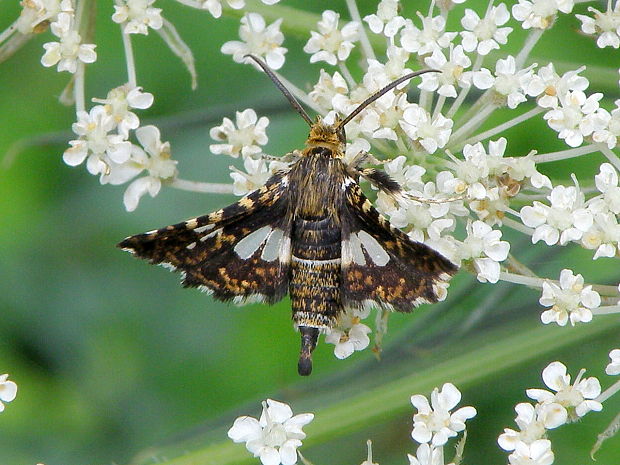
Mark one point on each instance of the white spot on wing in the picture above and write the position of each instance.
(377, 253)
(168, 266)
(246, 247)
(272, 246)
(204, 228)
(357, 254)
(248, 299)
(191, 246)
(210, 235)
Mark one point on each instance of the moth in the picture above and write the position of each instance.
(310, 232)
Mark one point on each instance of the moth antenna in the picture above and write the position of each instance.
(380, 93)
(283, 89)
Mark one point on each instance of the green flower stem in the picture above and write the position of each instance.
(471, 362)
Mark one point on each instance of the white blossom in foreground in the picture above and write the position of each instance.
(451, 72)
(244, 138)
(350, 334)
(331, 44)
(37, 14)
(614, 366)
(275, 437)
(426, 455)
(8, 390)
(155, 159)
(484, 35)
(540, 14)
(258, 39)
(484, 247)
(431, 134)
(120, 101)
(606, 182)
(434, 422)
(96, 145)
(548, 86)
(574, 399)
(386, 21)
(564, 220)
(138, 16)
(327, 88)
(537, 453)
(509, 83)
(256, 174)
(215, 6)
(575, 117)
(604, 25)
(69, 50)
(432, 36)
(531, 428)
(568, 301)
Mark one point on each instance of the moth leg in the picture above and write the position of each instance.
(290, 157)
(309, 337)
(365, 158)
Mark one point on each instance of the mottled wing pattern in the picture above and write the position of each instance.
(381, 265)
(239, 253)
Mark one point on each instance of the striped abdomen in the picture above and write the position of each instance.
(314, 284)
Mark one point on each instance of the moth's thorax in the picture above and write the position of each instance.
(316, 185)
(327, 137)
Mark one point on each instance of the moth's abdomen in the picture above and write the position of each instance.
(314, 285)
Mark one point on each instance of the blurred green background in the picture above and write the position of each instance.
(112, 357)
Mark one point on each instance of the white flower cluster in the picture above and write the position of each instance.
(569, 217)
(103, 143)
(565, 402)
(8, 390)
(137, 16)
(434, 423)
(69, 50)
(569, 301)
(275, 437)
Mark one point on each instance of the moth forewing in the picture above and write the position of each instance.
(309, 232)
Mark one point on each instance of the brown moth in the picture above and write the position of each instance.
(310, 232)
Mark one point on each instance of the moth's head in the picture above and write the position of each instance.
(327, 135)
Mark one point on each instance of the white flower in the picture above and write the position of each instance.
(120, 101)
(605, 25)
(138, 16)
(537, 453)
(426, 455)
(570, 300)
(547, 85)
(609, 134)
(36, 14)
(614, 366)
(472, 173)
(350, 334)
(243, 139)
(430, 37)
(95, 142)
(258, 39)
(540, 14)
(604, 235)
(576, 399)
(69, 50)
(380, 75)
(8, 390)
(215, 6)
(564, 221)
(508, 83)
(484, 35)
(327, 88)
(484, 246)
(573, 118)
(255, 176)
(431, 134)
(275, 437)
(451, 72)
(434, 423)
(331, 44)
(387, 20)
(607, 183)
(532, 427)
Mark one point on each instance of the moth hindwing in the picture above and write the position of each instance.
(309, 232)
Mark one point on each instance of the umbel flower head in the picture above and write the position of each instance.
(275, 437)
